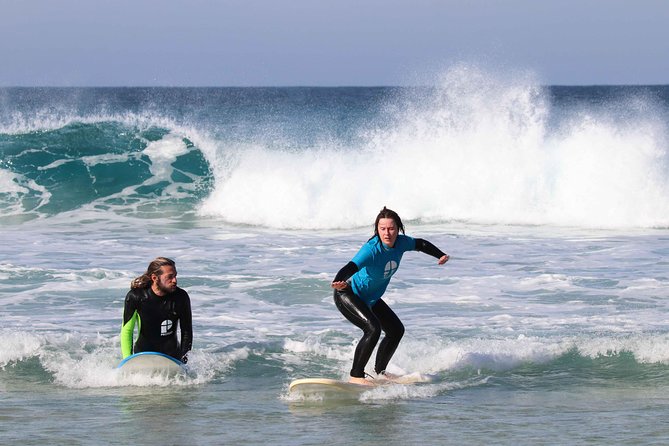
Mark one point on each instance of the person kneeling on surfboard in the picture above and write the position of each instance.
(359, 285)
(157, 304)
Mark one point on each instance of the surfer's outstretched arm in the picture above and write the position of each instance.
(423, 245)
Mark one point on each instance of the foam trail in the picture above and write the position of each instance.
(477, 149)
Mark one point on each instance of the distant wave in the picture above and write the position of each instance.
(476, 149)
(104, 164)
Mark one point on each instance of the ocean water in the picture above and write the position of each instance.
(547, 326)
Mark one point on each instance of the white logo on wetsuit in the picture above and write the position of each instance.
(389, 269)
(165, 327)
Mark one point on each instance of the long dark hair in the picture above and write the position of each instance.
(387, 213)
(144, 281)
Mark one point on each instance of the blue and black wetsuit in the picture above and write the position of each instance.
(368, 274)
(157, 318)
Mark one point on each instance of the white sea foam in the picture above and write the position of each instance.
(14, 188)
(48, 120)
(81, 362)
(479, 149)
(163, 153)
(432, 355)
(314, 345)
(508, 353)
(18, 345)
(9, 183)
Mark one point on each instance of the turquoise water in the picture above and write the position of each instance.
(548, 325)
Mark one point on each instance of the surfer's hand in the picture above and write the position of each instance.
(184, 359)
(340, 286)
(444, 259)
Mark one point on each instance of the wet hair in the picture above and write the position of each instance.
(144, 281)
(387, 213)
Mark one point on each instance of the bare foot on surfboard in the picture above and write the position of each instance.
(388, 376)
(361, 381)
(411, 378)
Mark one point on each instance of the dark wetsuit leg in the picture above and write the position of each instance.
(393, 329)
(358, 313)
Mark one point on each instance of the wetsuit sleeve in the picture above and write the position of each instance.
(127, 330)
(428, 248)
(346, 272)
(186, 326)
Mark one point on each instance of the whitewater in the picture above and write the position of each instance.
(547, 326)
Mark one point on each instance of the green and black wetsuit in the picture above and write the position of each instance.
(157, 318)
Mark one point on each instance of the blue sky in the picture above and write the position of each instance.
(328, 43)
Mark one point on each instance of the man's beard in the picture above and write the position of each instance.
(166, 289)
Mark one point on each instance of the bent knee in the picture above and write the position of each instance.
(373, 329)
(396, 332)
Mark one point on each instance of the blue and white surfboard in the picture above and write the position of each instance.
(150, 363)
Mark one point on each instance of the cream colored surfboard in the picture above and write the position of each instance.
(317, 385)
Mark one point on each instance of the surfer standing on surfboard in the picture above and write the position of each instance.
(360, 284)
(157, 305)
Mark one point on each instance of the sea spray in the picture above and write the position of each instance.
(474, 149)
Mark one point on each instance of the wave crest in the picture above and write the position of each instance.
(475, 149)
(101, 165)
